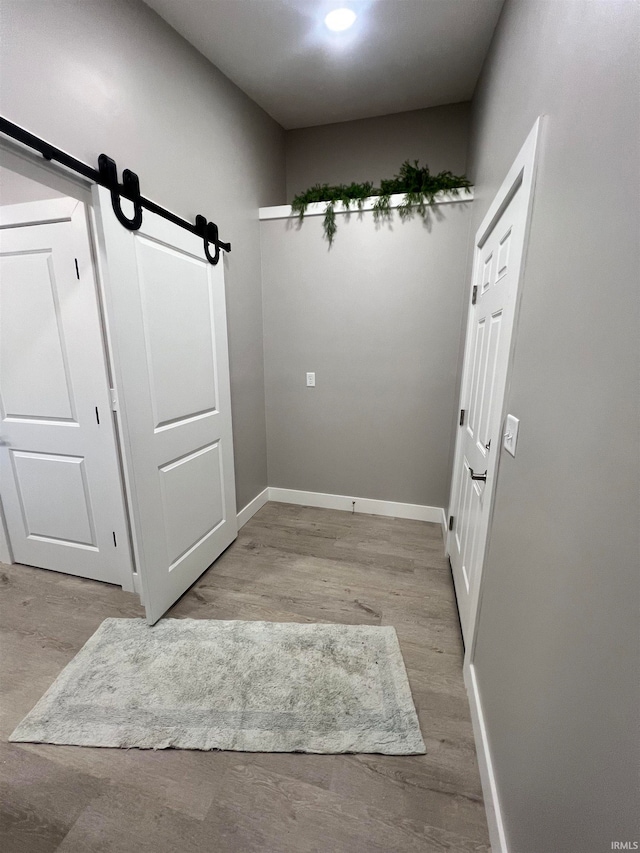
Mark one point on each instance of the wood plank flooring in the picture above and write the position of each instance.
(289, 563)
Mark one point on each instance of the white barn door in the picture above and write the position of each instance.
(166, 317)
(497, 264)
(59, 474)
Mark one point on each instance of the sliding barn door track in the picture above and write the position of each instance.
(107, 176)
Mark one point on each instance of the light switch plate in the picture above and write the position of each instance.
(510, 438)
(311, 380)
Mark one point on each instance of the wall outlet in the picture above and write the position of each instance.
(311, 380)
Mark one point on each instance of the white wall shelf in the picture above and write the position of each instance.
(283, 211)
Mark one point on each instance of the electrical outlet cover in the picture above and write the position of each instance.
(511, 434)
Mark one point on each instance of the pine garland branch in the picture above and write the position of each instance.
(419, 186)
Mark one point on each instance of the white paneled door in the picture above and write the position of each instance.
(59, 476)
(497, 266)
(167, 327)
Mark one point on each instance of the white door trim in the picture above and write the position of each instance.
(128, 488)
(53, 210)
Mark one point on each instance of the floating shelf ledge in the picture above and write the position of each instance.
(283, 211)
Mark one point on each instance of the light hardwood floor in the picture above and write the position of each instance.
(289, 563)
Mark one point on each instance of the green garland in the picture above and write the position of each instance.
(417, 183)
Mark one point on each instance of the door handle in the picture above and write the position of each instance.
(482, 477)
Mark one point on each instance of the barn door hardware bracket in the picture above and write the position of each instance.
(209, 232)
(107, 176)
(130, 189)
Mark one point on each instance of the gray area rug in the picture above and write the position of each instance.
(248, 686)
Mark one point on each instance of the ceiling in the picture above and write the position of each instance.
(399, 55)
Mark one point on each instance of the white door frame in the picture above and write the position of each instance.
(521, 177)
(523, 170)
(22, 160)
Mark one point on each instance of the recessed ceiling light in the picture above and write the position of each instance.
(340, 19)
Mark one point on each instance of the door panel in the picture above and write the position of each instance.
(35, 381)
(472, 423)
(54, 498)
(486, 365)
(186, 526)
(60, 480)
(178, 333)
(167, 319)
(497, 264)
(490, 370)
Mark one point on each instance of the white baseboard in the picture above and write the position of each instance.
(252, 507)
(292, 496)
(418, 512)
(487, 777)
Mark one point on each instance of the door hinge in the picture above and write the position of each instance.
(77, 269)
(463, 412)
(115, 541)
(474, 294)
(114, 399)
(450, 522)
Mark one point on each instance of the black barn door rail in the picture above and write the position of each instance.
(107, 176)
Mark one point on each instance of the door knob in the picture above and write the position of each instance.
(474, 476)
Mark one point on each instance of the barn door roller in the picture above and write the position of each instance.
(107, 176)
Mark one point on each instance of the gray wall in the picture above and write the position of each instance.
(378, 318)
(112, 76)
(374, 148)
(557, 653)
